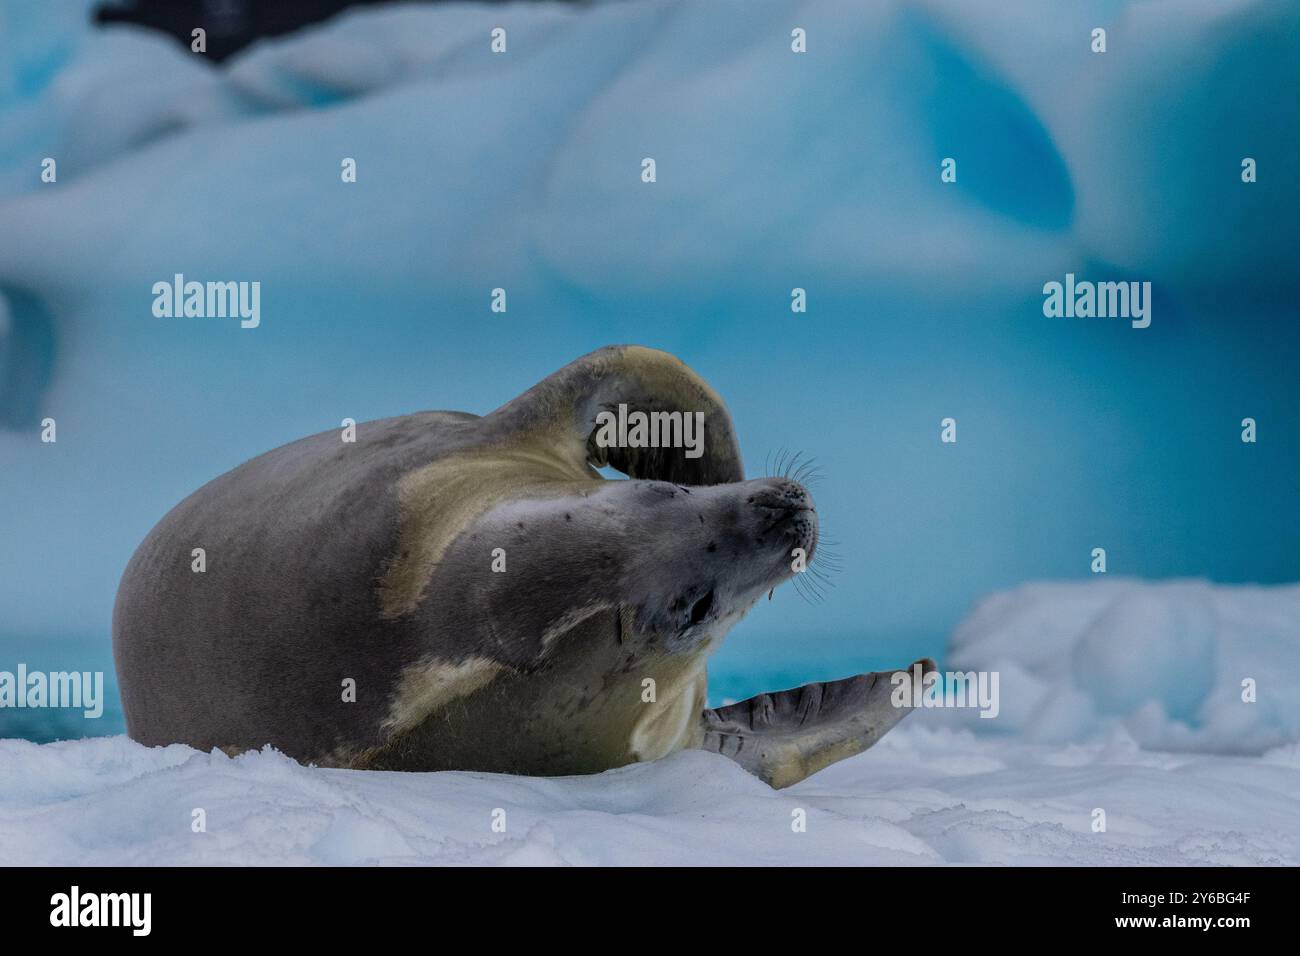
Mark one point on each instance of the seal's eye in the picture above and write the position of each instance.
(701, 608)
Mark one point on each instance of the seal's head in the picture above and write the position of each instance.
(520, 525)
(700, 557)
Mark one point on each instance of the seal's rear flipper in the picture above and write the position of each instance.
(788, 735)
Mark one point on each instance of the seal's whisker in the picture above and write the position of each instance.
(781, 462)
(826, 551)
(808, 590)
(793, 465)
(819, 575)
(822, 576)
(809, 470)
(812, 583)
(827, 556)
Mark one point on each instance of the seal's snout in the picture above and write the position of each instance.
(785, 512)
(782, 493)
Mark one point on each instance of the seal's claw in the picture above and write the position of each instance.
(785, 736)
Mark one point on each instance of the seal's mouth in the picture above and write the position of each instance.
(789, 518)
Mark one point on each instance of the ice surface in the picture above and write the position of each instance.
(922, 796)
(1165, 660)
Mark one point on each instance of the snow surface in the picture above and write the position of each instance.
(1165, 660)
(927, 794)
(921, 796)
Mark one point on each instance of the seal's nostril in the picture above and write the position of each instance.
(784, 503)
(782, 494)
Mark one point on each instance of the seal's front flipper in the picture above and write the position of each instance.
(788, 735)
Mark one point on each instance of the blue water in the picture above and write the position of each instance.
(46, 724)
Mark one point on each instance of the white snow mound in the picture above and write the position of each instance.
(1172, 662)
